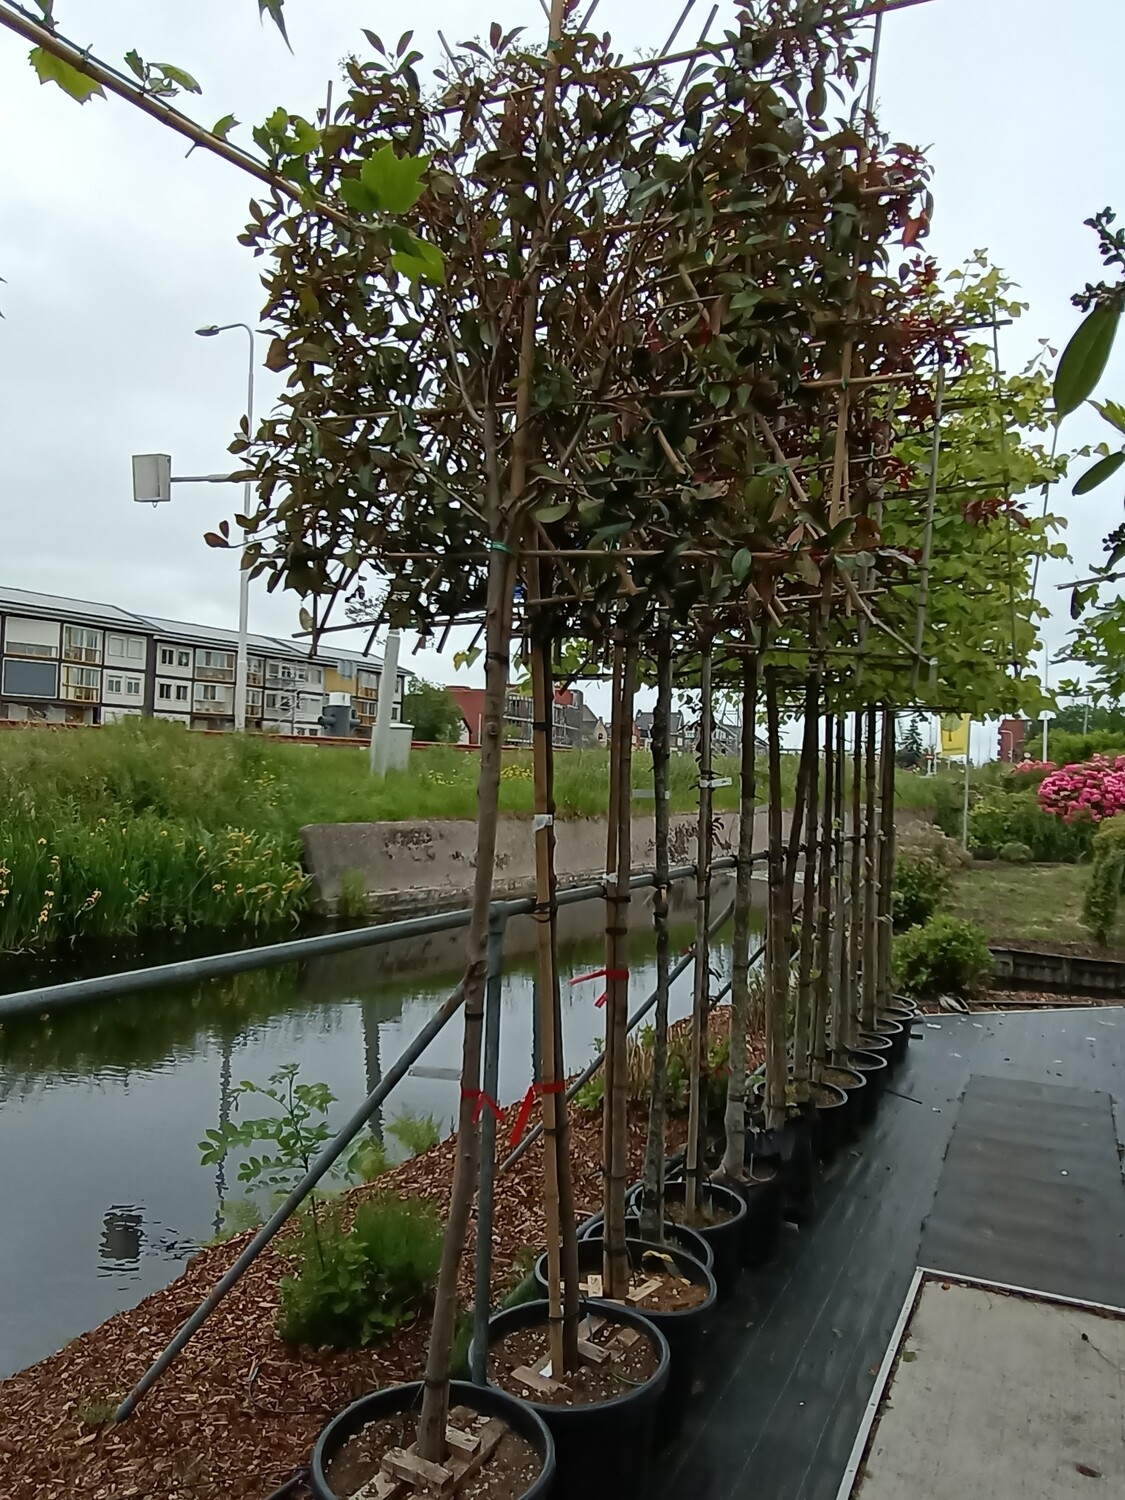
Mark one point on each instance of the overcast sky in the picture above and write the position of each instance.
(114, 248)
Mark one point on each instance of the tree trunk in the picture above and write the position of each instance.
(435, 1404)
(778, 936)
(734, 1157)
(841, 992)
(562, 1233)
(810, 757)
(615, 1102)
(701, 995)
(652, 1197)
(870, 874)
(855, 887)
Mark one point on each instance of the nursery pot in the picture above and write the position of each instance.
(688, 1240)
(831, 1104)
(853, 1083)
(379, 1405)
(764, 1194)
(873, 1066)
(684, 1330)
(900, 1036)
(877, 1042)
(792, 1149)
(602, 1449)
(903, 1008)
(724, 1237)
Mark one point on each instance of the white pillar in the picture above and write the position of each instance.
(381, 729)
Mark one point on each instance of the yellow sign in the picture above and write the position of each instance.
(955, 734)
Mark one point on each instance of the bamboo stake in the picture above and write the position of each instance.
(886, 861)
(734, 1157)
(562, 1320)
(615, 1275)
(652, 1196)
(839, 990)
(777, 934)
(928, 531)
(802, 1031)
(870, 873)
(701, 1008)
(855, 888)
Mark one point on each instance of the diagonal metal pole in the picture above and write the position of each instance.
(482, 1287)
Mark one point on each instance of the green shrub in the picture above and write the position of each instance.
(1015, 854)
(352, 1287)
(945, 956)
(1015, 817)
(1107, 878)
(920, 885)
(352, 900)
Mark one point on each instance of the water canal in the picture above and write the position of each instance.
(102, 1107)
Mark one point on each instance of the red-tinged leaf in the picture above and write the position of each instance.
(495, 33)
(213, 539)
(915, 229)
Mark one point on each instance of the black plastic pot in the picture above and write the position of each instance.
(852, 1083)
(878, 1042)
(899, 1035)
(873, 1066)
(679, 1235)
(831, 1112)
(684, 1330)
(724, 1237)
(602, 1451)
(764, 1194)
(792, 1150)
(520, 1417)
(904, 1009)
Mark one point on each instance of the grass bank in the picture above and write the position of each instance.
(142, 827)
(1027, 903)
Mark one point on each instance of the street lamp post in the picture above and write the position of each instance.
(241, 668)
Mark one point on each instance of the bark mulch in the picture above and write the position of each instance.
(239, 1410)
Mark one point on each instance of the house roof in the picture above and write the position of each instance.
(112, 617)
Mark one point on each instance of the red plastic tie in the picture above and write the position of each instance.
(483, 1101)
(527, 1104)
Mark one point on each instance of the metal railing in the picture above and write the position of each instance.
(186, 971)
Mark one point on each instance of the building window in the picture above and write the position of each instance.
(183, 658)
(167, 656)
(209, 692)
(181, 692)
(81, 683)
(132, 687)
(30, 679)
(114, 685)
(164, 691)
(80, 644)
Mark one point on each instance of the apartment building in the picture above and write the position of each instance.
(71, 661)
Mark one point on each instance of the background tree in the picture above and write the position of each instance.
(433, 712)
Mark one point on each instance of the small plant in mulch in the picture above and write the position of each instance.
(353, 1286)
(414, 1133)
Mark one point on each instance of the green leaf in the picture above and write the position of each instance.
(1084, 359)
(719, 394)
(740, 565)
(553, 512)
(223, 127)
(273, 8)
(52, 69)
(423, 263)
(1112, 412)
(180, 76)
(393, 180)
(356, 196)
(1101, 471)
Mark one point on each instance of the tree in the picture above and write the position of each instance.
(912, 748)
(433, 711)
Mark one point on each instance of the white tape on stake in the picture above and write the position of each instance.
(541, 820)
(716, 781)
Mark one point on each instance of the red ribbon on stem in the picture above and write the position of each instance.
(483, 1101)
(622, 974)
(526, 1106)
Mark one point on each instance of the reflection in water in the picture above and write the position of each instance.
(123, 1239)
(107, 1103)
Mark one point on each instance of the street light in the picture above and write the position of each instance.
(240, 671)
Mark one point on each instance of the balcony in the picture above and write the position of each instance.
(219, 708)
(83, 654)
(80, 694)
(215, 674)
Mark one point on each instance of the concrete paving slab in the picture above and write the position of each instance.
(1001, 1397)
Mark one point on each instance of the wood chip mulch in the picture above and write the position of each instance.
(239, 1410)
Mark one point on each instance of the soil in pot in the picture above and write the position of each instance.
(655, 1286)
(496, 1450)
(853, 1084)
(720, 1222)
(615, 1359)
